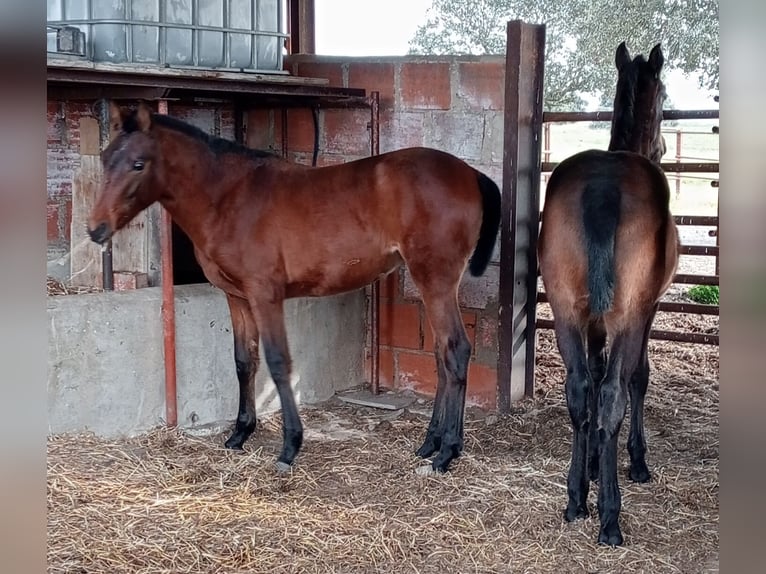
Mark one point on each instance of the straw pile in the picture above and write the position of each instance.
(56, 287)
(172, 502)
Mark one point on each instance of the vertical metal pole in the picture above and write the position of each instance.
(107, 269)
(375, 287)
(519, 225)
(168, 308)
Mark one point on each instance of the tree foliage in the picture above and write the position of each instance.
(581, 37)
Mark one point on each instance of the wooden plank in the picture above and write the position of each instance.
(148, 69)
(85, 256)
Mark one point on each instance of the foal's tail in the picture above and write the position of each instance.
(490, 223)
(600, 214)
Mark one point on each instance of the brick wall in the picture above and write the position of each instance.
(450, 103)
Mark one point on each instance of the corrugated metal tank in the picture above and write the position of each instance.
(239, 35)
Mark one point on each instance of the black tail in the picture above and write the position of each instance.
(601, 214)
(490, 223)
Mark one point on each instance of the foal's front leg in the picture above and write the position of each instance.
(246, 360)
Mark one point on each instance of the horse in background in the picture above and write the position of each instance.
(608, 251)
(265, 230)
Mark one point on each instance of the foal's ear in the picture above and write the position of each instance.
(115, 119)
(144, 117)
(622, 56)
(656, 59)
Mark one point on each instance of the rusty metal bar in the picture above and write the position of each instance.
(702, 167)
(694, 308)
(711, 220)
(696, 279)
(301, 27)
(168, 307)
(520, 205)
(374, 127)
(659, 335)
(606, 116)
(699, 250)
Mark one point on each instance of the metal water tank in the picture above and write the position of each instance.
(234, 35)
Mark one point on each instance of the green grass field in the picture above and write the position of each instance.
(694, 196)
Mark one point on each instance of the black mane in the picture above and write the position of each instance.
(217, 145)
(623, 120)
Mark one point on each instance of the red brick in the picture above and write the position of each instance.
(482, 385)
(345, 132)
(300, 130)
(469, 320)
(373, 76)
(52, 219)
(129, 280)
(66, 207)
(417, 371)
(400, 325)
(425, 86)
(386, 373)
(389, 287)
(482, 84)
(486, 332)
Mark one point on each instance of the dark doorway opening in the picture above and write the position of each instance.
(186, 268)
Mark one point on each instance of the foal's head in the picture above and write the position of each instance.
(638, 103)
(130, 173)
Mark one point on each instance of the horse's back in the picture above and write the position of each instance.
(588, 194)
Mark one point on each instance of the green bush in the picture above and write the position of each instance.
(707, 294)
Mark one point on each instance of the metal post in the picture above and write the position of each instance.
(519, 225)
(168, 308)
(375, 287)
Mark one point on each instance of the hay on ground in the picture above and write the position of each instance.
(169, 501)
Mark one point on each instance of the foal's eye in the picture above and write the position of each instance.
(138, 165)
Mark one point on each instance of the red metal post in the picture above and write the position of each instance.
(168, 308)
(375, 287)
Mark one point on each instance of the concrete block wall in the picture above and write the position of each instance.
(106, 365)
(451, 103)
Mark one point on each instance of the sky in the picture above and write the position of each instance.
(365, 28)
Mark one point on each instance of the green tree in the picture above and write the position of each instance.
(581, 37)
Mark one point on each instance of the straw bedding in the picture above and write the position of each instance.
(168, 501)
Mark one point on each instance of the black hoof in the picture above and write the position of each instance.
(640, 473)
(613, 538)
(235, 442)
(573, 513)
(292, 445)
(430, 446)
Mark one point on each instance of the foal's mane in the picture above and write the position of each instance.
(217, 145)
(627, 90)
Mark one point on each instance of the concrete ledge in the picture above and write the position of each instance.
(106, 370)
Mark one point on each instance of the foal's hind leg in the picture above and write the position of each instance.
(578, 385)
(246, 360)
(433, 439)
(453, 351)
(271, 322)
(597, 358)
(639, 382)
(624, 354)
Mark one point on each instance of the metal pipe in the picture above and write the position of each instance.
(107, 267)
(375, 287)
(168, 308)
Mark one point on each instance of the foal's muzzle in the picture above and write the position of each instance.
(100, 234)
